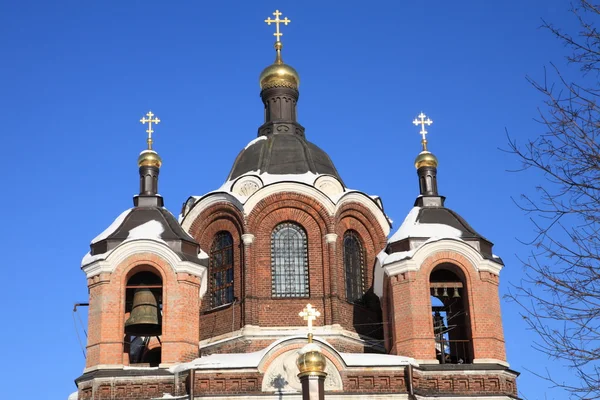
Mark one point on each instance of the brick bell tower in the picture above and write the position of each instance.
(440, 281)
(144, 276)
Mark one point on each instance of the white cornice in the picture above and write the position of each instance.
(205, 202)
(370, 204)
(427, 250)
(248, 238)
(331, 237)
(115, 257)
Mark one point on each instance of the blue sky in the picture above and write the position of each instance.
(76, 77)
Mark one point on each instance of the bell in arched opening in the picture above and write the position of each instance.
(145, 318)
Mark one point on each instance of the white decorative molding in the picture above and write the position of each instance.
(331, 204)
(431, 248)
(425, 251)
(247, 185)
(248, 238)
(491, 361)
(112, 259)
(329, 185)
(330, 237)
(205, 202)
(293, 187)
(370, 204)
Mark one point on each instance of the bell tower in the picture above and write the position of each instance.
(144, 277)
(440, 281)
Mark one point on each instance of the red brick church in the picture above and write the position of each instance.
(205, 306)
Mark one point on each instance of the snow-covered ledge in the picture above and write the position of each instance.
(108, 262)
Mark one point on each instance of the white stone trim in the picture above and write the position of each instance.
(429, 249)
(248, 238)
(205, 202)
(491, 361)
(330, 237)
(293, 187)
(126, 249)
(370, 204)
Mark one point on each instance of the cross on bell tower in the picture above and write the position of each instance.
(422, 121)
(277, 21)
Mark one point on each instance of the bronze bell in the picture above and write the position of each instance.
(145, 318)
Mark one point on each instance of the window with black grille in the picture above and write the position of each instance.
(221, 269)
(289, 261)
(354, 266)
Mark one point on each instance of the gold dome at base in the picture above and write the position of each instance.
(149, 158)
(279, 74)
(426, 159)
(311, 361)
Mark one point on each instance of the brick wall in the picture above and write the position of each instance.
(106, 320)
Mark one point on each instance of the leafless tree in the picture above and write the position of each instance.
(560, 293)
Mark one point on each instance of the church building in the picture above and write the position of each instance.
(217, 303)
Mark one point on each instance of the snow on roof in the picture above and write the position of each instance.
(225, 360)
(252, 360)
(258, 139)
(412, 228)
(374, 359)
(148, 230)
(113, 227)
(268, 179)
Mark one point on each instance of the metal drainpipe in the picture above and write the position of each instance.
(233, 314)
(192, 379)
(411, 391)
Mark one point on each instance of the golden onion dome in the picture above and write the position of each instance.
(311, 361)
(279, 74)
(426, 159)
(149, 158)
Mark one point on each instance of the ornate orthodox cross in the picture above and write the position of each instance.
(149, 121)
(277, 21)
(309, 314)
(420, 120)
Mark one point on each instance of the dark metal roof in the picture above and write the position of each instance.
(283, 154)
(173, 234)
(445, 216)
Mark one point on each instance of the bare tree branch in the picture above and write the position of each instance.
(560, 292)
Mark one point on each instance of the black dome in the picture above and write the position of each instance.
(282, 153)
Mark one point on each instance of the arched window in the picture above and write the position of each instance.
(289, 261)
(450, 317)
(354, 266)
(221, 269)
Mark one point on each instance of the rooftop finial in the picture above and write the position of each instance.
(278, 34)
(420, 120)
(149, 121)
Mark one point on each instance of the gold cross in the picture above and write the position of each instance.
(149, 121)
(422, 121)
(277, 21)
(309, 314)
